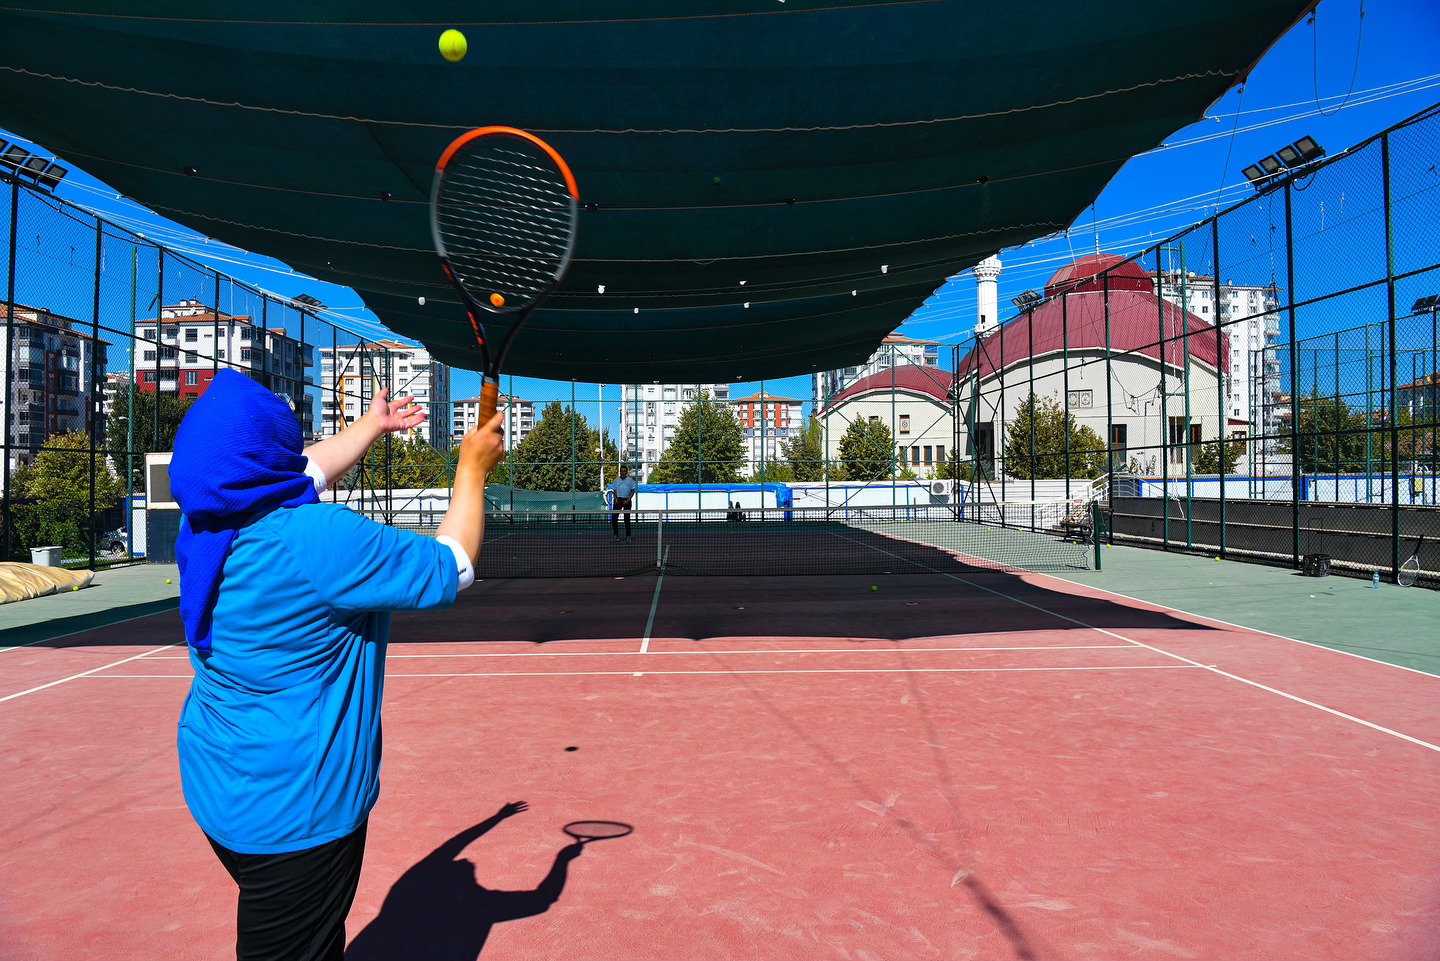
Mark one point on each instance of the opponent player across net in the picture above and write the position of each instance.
(621, 495)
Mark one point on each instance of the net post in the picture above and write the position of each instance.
(1095, 529)
(659, 540)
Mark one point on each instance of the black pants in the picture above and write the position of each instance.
(620, 507)
(293, 906)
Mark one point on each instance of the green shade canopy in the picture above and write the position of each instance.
(775, 185)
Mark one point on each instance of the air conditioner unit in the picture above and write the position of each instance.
(941, 488)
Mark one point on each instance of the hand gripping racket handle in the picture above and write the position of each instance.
(489, 399)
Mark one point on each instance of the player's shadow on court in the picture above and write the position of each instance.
(438, 912)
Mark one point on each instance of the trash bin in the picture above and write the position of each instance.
(45, 556)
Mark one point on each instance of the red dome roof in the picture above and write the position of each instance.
(932, 381)
(1083, 274)
(1135, 327)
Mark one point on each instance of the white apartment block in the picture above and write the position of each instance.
(895, 350)
(181, 353)
(650, 414)
(519, 418)
(768, 423)
(1250, 317)
(54, 364)
(351, 377)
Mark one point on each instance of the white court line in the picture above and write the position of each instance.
(1209, 667)
(654, 604)
(1243, 627)
(84, 630)
(727, 673)
(72, 677)
(796, 650)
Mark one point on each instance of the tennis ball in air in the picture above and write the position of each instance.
(498, 300)
(874, 587)
(167, 580)
(453, 46)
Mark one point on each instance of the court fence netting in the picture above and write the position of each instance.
(1263, 385)
(1024, 536)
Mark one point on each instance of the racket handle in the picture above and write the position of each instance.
(489, 399)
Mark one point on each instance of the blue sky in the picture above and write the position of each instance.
(1299, 88)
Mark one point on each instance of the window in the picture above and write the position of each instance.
(245, 353)
(1119, 451)
(191, 357)
(928, 451)
(940, 454)
(149, 355)
(167, 353)
(904, 423)
(192, 378)
(914, 455)
(1080, 398)
(191, 334)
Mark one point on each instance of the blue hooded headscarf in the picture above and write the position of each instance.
(238, 456)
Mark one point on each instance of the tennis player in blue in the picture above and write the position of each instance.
(286, 604)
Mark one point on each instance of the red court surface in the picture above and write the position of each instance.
(980, 765)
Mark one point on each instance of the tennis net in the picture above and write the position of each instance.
(1032, 535)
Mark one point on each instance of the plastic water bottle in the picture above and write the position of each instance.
(1375, 581)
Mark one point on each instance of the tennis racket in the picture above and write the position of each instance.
(587, 831)
(502, 213)
(1410, 570)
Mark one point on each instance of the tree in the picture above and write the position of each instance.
(773, 472)
(117, 433)
(867, 451)
(51, 497)
(401, 463)
(708, 447)
(1047, 459)
(806, 454)
(1333, 438)
(1207, 458)
(559, 453)
(954, 468)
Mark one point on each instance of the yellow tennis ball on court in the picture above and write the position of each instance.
(498, 300)
(453, 46)
(167, 580)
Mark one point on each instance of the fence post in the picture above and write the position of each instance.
(10, 354)
(1222, 368)
(1392, 401)
(94, 393)
(1294, 386)
(1109, 419)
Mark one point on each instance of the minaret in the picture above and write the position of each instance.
(987, 276)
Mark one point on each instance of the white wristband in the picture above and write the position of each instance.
(313, 471)
(462, 561)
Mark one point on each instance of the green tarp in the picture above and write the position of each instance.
(776, 184)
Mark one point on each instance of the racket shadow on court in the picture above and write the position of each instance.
(437, 910)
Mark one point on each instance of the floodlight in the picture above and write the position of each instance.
(1026, 299)
(14, 156)
(1254, 174)
(52, 176)
(308, 301)
(1289, 156)
(1271, 164)
(1309, 149)
(1426, 303)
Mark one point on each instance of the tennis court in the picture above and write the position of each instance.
(971, 762)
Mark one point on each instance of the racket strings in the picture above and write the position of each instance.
(504, 215)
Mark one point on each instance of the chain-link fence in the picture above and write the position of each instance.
(1261, 386)
(110, 337)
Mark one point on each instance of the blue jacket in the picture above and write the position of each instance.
(280, 735)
